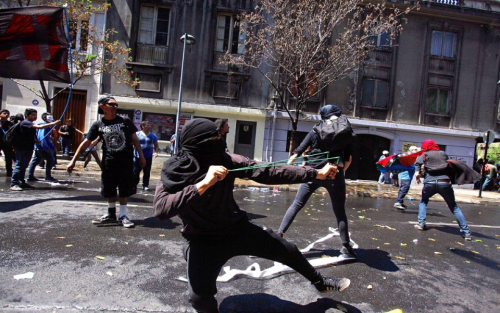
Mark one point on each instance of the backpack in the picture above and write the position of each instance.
(434, 161)
(12, 137)
(334, 135)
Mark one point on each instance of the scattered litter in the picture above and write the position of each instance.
(109, 273)
(253, 188)
(486, 246)
(60, 237)
(478, 240)
(387, 244)
(28, 275)
(399, 257)
(48, 291)
(68, 246)
(460, 243)
(374, 238)
(437, 253)
(370, 287)
(472, 251)
(410, 198)
(276, 189)
(403, 244)
(264, 189)
(385, 226)
(415, 240)
(467, 262)
(452, 248)
(100, 257)
(395, 311)
(161, 235)
(432, 239)
(268, 209)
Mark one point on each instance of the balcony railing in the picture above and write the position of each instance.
(382, 56)
(437, 120)
(151, 54)
(220, 65)
(373, 113)
(446, 66)
(308, 107)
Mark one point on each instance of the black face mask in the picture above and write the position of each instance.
(198, 152)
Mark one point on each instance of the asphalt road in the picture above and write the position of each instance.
(48, 232)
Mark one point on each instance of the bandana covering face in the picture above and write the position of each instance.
(328, 110)
(429, 145)
(198, 152)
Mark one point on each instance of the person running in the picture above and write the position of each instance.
(196, 184)
(405, 179)
(336, 188)
(119, 140)
(24, 148)
(44, 150)
(432, 165)
(8, 152)
(150, 149)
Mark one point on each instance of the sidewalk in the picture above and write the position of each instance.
(358, 188)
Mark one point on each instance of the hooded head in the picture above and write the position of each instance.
(200, 147)
(429, 145)
(328, 110)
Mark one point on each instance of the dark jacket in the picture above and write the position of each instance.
(312, 140)
(215, 213)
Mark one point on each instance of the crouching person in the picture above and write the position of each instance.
(196, 184)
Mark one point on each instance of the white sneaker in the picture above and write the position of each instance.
(145, 188)
(126, 222)
(399, 206)
(16, 188)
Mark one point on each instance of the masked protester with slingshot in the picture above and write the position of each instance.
(197, 184)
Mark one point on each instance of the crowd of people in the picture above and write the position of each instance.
(197, 185)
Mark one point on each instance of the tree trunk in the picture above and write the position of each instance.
(46, 98)
(292, 136)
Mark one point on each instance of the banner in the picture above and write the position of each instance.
(33, 44)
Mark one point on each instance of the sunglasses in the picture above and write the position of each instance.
(112, 104)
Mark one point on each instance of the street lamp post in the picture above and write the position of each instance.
(186, 40)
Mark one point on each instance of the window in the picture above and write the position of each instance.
(229, 35)
(437, 100)
(154, 25)
(148, 82)
(383, 39)
(79, 32)
(375, 93)
(443, 44)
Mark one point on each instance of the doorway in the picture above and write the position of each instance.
(367, 149)
(76, 112)
(245, 138)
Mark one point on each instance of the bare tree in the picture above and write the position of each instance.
(301, 46)
(92, 51)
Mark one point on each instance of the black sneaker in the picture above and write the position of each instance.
(51, 179)
(126, 222)
(105, 219)
(332, 284)
(421, 227)
(32, 179)
(27, 186)
(467, 237)
(347, 252)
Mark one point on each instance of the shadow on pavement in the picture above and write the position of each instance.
(456, 231)
(477, 258)
(153, 222)
(263, 303)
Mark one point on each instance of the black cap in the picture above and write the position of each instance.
(103, 100)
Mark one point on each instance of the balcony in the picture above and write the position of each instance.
(311, 107)
(374, 113)
(220, 65)
(438, 120)
(151, 54)
(380, 57)
(442, 66)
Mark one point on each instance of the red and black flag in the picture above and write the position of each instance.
(33, 44)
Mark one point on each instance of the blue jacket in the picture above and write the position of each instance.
(45, 142)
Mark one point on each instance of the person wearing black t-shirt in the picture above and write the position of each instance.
(119, 140)
(67, 132)
(7, 149)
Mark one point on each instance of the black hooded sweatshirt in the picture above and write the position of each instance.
(215, 213)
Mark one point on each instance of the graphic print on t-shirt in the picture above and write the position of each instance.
(114, 137)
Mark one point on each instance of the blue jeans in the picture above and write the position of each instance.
(23, 158)
(147, 171)
(65, 145)
(47, 155)
(336, 190)
(445, 191)
(404, 187)
(488, 184)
